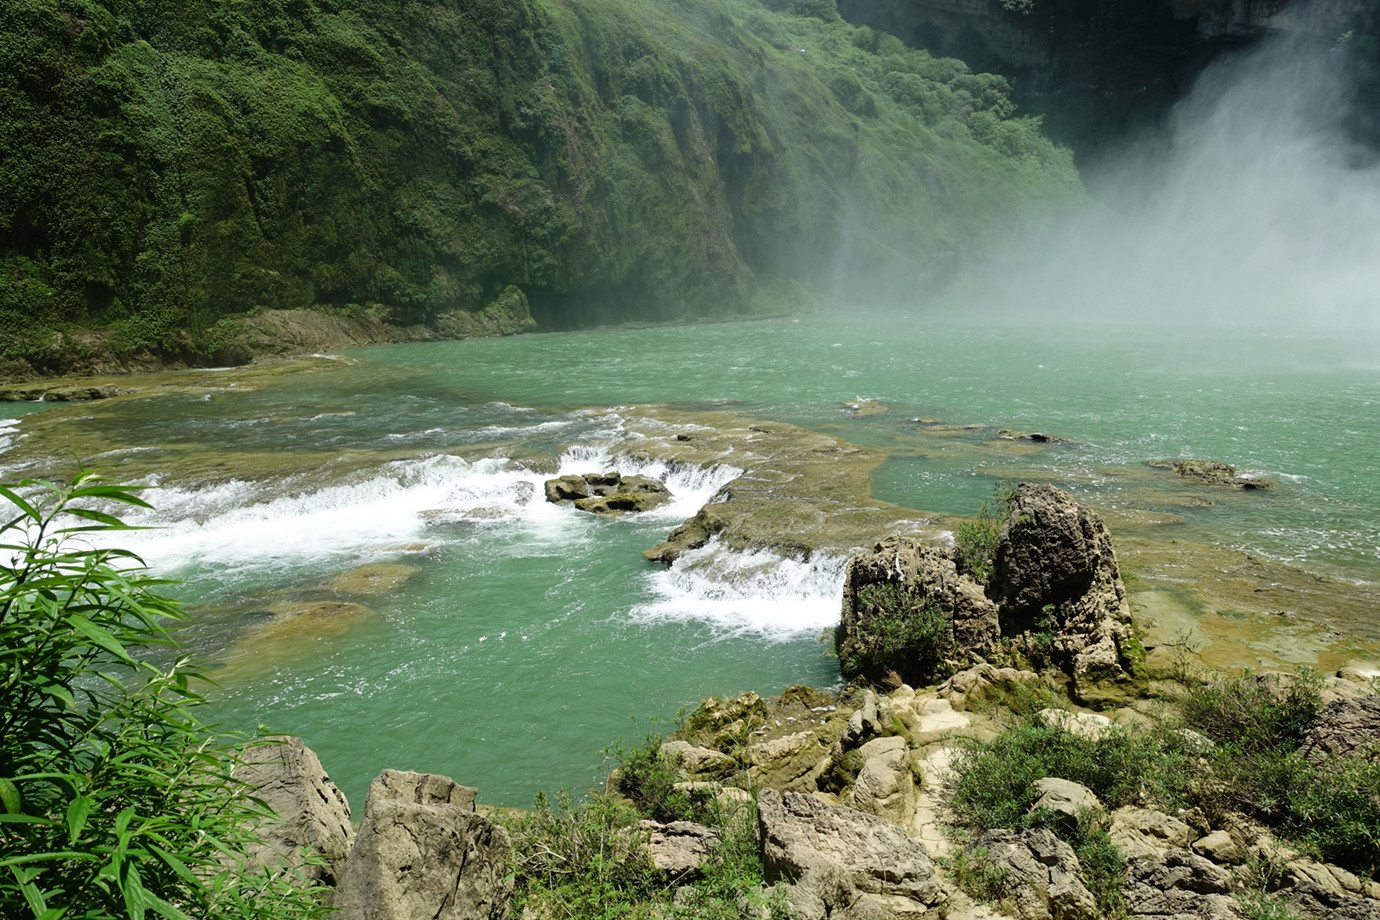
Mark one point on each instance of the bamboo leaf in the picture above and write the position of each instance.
(77, 813)
(10, 798)
(99, 636)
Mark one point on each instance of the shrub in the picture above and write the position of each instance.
(115, 801)
(976, 541)
(904, 633)
(647, 778)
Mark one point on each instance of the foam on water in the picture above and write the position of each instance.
(747, 593)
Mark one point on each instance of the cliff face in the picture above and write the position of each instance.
(170, 167)
(1098, 69)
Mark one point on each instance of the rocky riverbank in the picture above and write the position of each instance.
(984, 790)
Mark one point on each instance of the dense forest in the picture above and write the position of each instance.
(170, 169)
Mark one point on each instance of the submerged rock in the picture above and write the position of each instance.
(1008, 434)
(1213, 473)
(608, 493)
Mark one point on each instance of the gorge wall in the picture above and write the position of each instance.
(170, 170)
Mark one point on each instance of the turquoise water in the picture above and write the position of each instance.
(528, 636)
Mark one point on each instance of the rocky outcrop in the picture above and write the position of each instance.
(1344, 728)
(423, 851)
(839, 862)
(608, 493)
(1213, 473)
(1043, 878)
(1055, 573)
(311, 816)
(1179, 884)
(909, 617)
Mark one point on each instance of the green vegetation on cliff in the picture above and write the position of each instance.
(170, 167)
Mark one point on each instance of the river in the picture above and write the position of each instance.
(505, 641)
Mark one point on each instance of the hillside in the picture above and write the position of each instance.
(169, 169)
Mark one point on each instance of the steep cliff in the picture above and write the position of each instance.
(169, 168)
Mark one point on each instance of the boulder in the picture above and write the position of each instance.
(608, 493)
(310, 814)
(908, 616)
(1055, 573)
(1179, 885)
(1220, 847)
(833, 856)
(423, 851)
(885, 784)
(1146, 832)
(1043, 875)
(1067, 801)
(679, 848)
(985, 683)
(1344, 728)
(698, 761)
(694, 533)
(1088, 725)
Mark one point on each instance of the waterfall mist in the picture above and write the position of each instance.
(1251, 208)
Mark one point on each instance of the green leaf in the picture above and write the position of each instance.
(99, 636)
(10, 798)
(77, 813)
(133, 890)
(24, 819)
(20, 503)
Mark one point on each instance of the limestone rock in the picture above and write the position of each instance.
(1344, 728)
(1220, 847)
(885, 785)
(895, 582)
(1178, 885)
(1146, 832)
(984, 683)
(1055, 568)
(310, 812)
(1044, 875)
(423, 851)
(608, 493)
(679, 848)
(694, 533)
(1088, 725)
(834, 855)
(698, 761)
(1066, 800)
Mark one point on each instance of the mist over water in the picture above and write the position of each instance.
(1252, 209)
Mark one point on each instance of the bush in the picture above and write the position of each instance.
(905, 633)
(115, 801)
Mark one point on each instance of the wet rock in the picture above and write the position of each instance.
(1055, 570)
(1179, 885)
(678, 849)
(1213, 473)
(1344, 728)
(863, 408)
(1009, 434)
(608, 493)
(832, 856)
(423, 851)
(908, 616)
(309, 812)
(1044, 877)
(694, 533)
(1067, 801)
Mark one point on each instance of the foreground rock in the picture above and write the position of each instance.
(1179, 884)
(1055, 599)
(1043, 876)
(889, 592)
(608, 493)
(423, 852)
(841, 863)
(1345, 728)
(311, 816)
(1213, 473)
(1055, 572)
